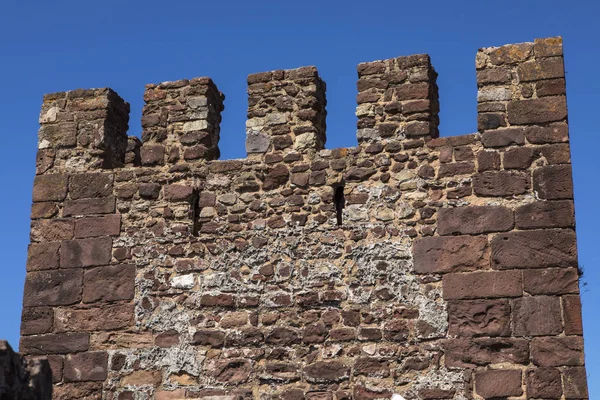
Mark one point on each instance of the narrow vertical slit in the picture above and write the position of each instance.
(340, 203)
(195, 212)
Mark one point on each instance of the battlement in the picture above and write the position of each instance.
(431, 267)
(520, 84)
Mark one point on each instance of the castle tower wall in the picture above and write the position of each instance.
(431, 267)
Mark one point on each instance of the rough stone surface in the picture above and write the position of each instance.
(432, 267)
(24, 379)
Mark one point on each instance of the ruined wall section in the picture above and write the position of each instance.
(23, 379)
(436, 268)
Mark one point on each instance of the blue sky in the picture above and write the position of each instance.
(49, 46)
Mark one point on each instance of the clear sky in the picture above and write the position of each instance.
(58, 45)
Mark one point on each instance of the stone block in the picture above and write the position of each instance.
(103, 205)
(99, 318)
(472, 318)
(94, 185)
(61, 343)
(52, 288)
(544, 383)
(327, 371)
(572, 315)
(475, 285)
(469, 353)
(534, 249)
(557, 351)
(50, 187)
(553, 182)
(89, 366)
(493, 384)
(43, 256)
(474, 220)
(110, 283)
(545, 214)
(537, 316)
(537, 111)
(450, 254)
(551, 281)
(85, 252)
(107, 225)
(501, 183)
(36, 320)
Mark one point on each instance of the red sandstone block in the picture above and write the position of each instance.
(474, 220)
(546, 68)
(572, 315)
(110, 283)
(476, 285)
(545, 214)
(468, 353)
(553, 182)
(104, 318)
(44, 210)
(557, 351)
(56, 365)
(178, 193)
(500, 183)
(450, 254)
(42, 256)
(575, 383)
(519, 158)
(327, 371)
(548, 47)
(372, 366)
(559, 153)
(51, 187)
(503, 137)
(85, 252)
(152, 154)
(553, 133)
(470, 318)
(537, 316)
(36, 320)
(210, 338)
(544, 383)
(105, 205)
(89, 366)
(537, 111)
(551, 281)
(55, 344)
(51, 230)
(498, 383)
(534, 249)
(48, 288)
(90, 185)
(108, 225)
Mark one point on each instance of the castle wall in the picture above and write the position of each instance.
(435, 268)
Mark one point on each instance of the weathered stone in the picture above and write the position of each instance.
(468, 353)
(493, 384)
(43, 256)
(557, 351)
(534, 249)
(106, 317)
(537, 316)
(553, 281)
(109, 225)
(53, 288)
(110, 283)
(474, 220)
(575, 383)
(501, 183)
(553, 182)
(545, 214)
(51, 187)
(105, 205)
(537, 111)
(448, 254)
(327, 371)
(544, 383)
(92, 366)
(84, 186)
(475, 285)
(470, 318)
(546, 68)
(572, 315)
(55, 343)
(36, 320)
(85, 252)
